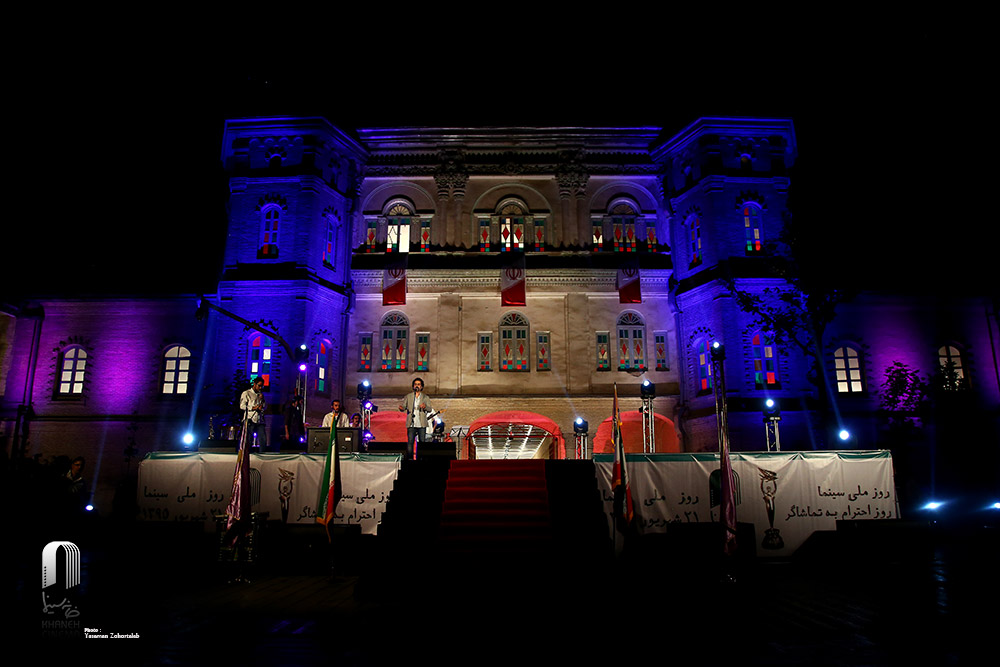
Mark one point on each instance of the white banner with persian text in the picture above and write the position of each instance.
(196, 487)
(785, 495)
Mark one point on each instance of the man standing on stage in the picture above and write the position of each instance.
(293, 422)
(252, 405)
(336, 416)
(416, 405)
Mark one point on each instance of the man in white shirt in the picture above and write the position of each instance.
(336, 416)
(252, 405)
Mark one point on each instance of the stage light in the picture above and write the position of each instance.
(771, 409)
(438, 426)
(89, 507)
(932, 506)
(367, 436)
(844, 434)
(580, 426)
(718, 352)
(647, 389)
(994, 506)
(364, 391)
(188, 439)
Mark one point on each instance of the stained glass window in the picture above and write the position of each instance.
(425, 235)
(544, 349)
(73, 368)
(423, 351)
(321, 382)
(660, 343)
(631, 342)
(259, 359)
(538, 235)
(704, 352)
(847, 366)
(330, 248)
(765, 361)
(176, 369)
(269, 232)
(694, 225)
(484, 235)
(365, 352)
(598, 236)
(511, 234)
(603, 351)
(751, 224)
(371, 236)
(395, 334)
(513, 343)
(485, 351)
(651, 236)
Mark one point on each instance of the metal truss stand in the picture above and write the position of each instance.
(648, 425)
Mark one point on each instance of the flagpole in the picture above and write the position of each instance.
(727, 514)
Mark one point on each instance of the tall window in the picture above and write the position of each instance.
(623, 228)
(538, 235)
(703, 350)
(603, 351)
(73, 368)
(631, 342)
(660, 342)
(484, 235)
(511, 228)
(694, 234)
(321, 384)
(513, 343)
(544, 351)
(176, 369)
(847, 366)
(371, 236)
(365, 352)
(598, 236)
(423, 351)
(425, 235)
(330, 248)
(485, 351)
(751, 225)
(952, 370)
(395, 332)
(269, 231)
(259, 359)
(765, 361)
(397, 234)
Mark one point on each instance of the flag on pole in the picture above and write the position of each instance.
(628, 282)
(623, 508)
(330, 487)
(728, 499)
(512, 290)
(394, 282)
(238, 510)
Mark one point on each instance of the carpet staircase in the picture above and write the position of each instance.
(496, 509)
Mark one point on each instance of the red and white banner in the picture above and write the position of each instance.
(512, 282)
(394, 284)
(628, 283)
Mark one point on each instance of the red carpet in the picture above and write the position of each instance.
(496, 507)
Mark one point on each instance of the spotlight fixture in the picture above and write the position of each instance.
(188, 439)
(718, 351)
(580, 426)
(647, 389)
(844, 434)
(438, 426)
(771, 409)
(364, 391)
(367, 436)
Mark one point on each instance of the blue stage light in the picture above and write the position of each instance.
(933, 505)
(89, 507)
(844, 434)
(188, 439)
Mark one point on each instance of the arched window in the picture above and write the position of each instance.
(72, 371)
(514, 343)
(176, 370)
(765, 361)
(703, 350)
(259, 358)
(511, 220)
(847, 366)
(631, 342)
(623, 236)
(395, 332)
(270, 217)
(397, 232)
(752, 228)
(951, 367)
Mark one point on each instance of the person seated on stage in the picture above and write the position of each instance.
(336, 416)
(355, 420)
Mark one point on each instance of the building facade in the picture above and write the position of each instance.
(534, 271)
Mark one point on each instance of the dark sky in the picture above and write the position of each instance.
(127, 151)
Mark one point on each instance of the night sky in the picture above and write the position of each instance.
(126, 151)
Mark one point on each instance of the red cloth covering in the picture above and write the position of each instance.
(558, 447)
(390, 426)
(663, 430)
